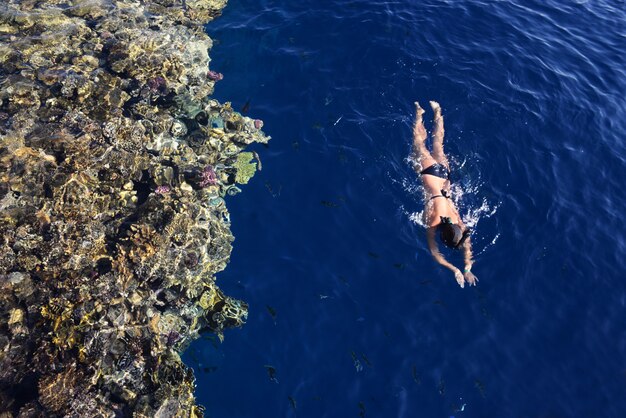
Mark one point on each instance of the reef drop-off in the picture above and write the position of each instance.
(114, 165)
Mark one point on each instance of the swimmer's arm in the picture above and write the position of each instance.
(468, 260)
(432, 245)
(434, 250)
(468, 257)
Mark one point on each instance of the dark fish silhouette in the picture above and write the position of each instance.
(272, 312)
(270, 189)
(481, 388)
(292, 402)
(366, 360)
(246, 107)
(361, 410)
(416, 377)
(357, 363)
(271, 372)
(442, 387)
(329, 204)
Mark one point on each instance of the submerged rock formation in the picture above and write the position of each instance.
(114, 162)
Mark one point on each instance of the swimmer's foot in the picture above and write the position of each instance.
(419, 132)
(436, 109)
(418, 110)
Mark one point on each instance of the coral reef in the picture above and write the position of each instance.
(114, 162)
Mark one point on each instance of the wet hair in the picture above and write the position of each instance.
(451, 234)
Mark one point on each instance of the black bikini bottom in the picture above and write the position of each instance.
(437, 170)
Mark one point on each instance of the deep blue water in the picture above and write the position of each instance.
(366, 324)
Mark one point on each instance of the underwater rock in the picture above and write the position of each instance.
(114, 161)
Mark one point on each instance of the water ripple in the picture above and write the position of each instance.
(330, 234)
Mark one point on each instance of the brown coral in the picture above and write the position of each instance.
(112, 228)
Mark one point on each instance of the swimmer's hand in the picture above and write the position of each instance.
(470, 278)
(459, 277)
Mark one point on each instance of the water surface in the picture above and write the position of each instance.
(346, 303)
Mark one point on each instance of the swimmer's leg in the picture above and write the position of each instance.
(422, 156)
(438, 132)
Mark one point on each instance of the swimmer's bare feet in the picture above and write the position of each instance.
(419, 110)
(436, 109)
(419, 132)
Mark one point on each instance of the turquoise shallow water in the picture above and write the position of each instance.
(346, 305)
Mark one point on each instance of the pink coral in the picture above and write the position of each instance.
(208, 176)
(215, 76)
(163, 189)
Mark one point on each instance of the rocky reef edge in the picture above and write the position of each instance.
(114, 165)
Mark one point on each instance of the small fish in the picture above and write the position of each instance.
(341, 156)
(399, 266)
(483, 304)
(246, 107)
(415, 375)
(292, 402)
(329, 204)
(209, 369)
(328, 100)
(442, 387)
(481, 388)
(357, 363)
(270, 189)
(323, 296)
(544, 252)
(343, 280)
(337, 121)
(272, 312)
(317, 126)
(372, 254)
(456, 408)
(271, 372)
(439, 302)
(361, 410)
(295, 145)
(366, 360)
(424, 282)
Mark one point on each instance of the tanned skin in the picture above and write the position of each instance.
(433, 186)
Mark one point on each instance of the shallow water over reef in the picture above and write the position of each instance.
(349, 316)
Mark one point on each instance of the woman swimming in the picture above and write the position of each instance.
(440, 214)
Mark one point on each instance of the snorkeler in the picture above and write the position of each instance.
(440, 214)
